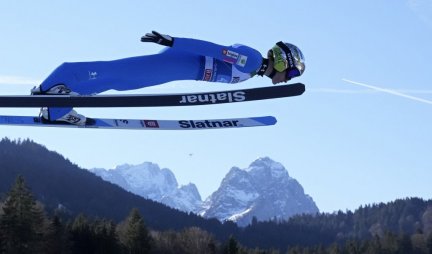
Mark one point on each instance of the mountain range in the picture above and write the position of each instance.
(151, 182)
(68, 191)
(264, 190)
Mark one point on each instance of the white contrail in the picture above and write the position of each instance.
(15, 80)
(389, 91)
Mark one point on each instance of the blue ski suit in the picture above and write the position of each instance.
(187, 59)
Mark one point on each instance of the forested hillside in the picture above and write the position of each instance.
(49, 203)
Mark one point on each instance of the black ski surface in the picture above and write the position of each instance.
(154, 100)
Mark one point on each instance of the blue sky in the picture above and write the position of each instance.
(346, 144)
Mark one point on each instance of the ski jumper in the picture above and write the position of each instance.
(187, 59)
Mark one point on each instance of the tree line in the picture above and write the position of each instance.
(105, 209)
(25, 228)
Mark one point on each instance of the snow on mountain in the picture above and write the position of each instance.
(263, 190)
(186, 198)
(230, 199)
(149, 181)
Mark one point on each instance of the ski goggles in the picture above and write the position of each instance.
(288, 57)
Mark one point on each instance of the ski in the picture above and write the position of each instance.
(154, 100)
(141, 124)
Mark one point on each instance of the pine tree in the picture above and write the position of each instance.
(352, 247)
(105, 237)
(232, 246)
(57, 239)
(81, 235)
(134, 235)
(1, 229)
(334, 249)
(22, 221)
(374, 245)
(196, 240)
(404, 244)
(429, 244)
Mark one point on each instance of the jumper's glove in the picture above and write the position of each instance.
(158, 38)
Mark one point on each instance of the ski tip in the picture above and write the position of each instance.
(266, 120)
(300, 86)
(288, 90)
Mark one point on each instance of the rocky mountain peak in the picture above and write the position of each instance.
(263, 190)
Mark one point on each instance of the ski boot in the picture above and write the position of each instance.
(71, 117)
(59, 89)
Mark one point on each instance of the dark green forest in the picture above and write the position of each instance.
(25, 228)
(57, 207)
